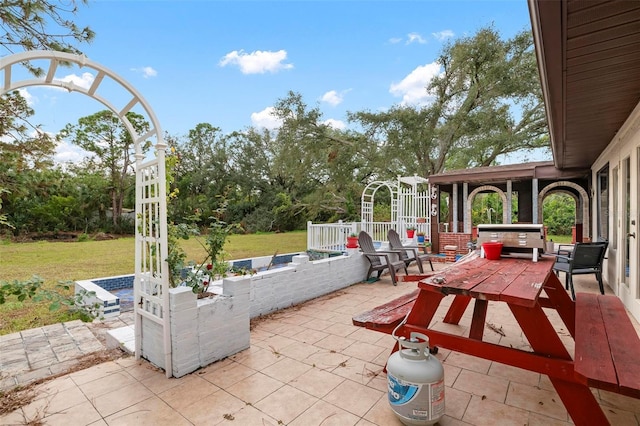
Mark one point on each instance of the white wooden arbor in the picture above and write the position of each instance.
(410, 202)
(151, 284)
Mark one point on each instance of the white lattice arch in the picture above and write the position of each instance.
(151, 284)
(505, 206)
(582, 202)
(368, 199)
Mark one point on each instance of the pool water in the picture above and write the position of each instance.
(126, 298)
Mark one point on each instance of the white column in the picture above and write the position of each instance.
(534, 200)
(509, 203)
(454, 205)
(467, 209)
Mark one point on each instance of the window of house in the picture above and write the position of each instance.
(602, 203)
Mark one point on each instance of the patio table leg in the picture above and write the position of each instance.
(479, 317)
(457, 308)
(424, 308)
(561, 302)
(543, 338)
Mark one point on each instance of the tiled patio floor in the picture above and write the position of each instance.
(309, 365)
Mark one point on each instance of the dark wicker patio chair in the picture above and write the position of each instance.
(379, 260)
(586, 258)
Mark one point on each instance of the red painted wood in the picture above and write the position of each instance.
(498, 280)
(457, 308)
(462, 279)
(539, 363)
(580, 403)
(414, 278)
(424, 309)
(593, 356)
(520, 284)
(559, 299)
(387, 316)
(526, 287)
(576, 397)
(623, 343)
(538, 330)
(477, 321)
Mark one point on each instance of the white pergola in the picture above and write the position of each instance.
(408, 203)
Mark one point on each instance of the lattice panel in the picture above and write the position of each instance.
(149, 292)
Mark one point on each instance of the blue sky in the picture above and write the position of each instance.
(227, 62)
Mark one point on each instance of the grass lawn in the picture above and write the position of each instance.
(562, 239)
(70, 261)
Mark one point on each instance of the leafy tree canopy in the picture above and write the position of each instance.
(486, 101)
(41, 24)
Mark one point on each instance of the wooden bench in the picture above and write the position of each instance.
(385, 318)
(607, 345)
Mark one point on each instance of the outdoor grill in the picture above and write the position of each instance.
(516, 238)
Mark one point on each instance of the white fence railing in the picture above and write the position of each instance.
(333, 236)
(329, 236)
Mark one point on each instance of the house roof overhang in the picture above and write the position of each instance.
(513, 172)
(589, 61)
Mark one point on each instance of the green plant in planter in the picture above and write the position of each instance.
(199, 276)
(214, 266)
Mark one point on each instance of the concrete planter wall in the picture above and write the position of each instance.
(207, 330)
(303, 280)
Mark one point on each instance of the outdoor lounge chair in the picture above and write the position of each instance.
(379, 260)
(586, 258)
(408, 254)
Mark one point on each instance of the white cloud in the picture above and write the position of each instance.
(146, 71)
(31, 100)
(395, 40)
(415, 38)
(412, 88)
(83, 80)
(258, 62)
(69, 153)
(336, 124)
(443, 35)
(334, 98)
(266, 119)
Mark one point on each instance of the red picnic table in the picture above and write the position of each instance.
(606, 344)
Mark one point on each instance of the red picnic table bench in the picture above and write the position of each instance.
(606, 343)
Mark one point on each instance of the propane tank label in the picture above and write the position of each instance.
(416, 401)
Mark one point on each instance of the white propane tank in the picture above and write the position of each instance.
(416, 382)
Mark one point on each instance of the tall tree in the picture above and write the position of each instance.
(202, 172)
(322, 168)
(485, 102)
(30, 25)
(24, 150)
(104, 135)
(19, 139)
(41, 24)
